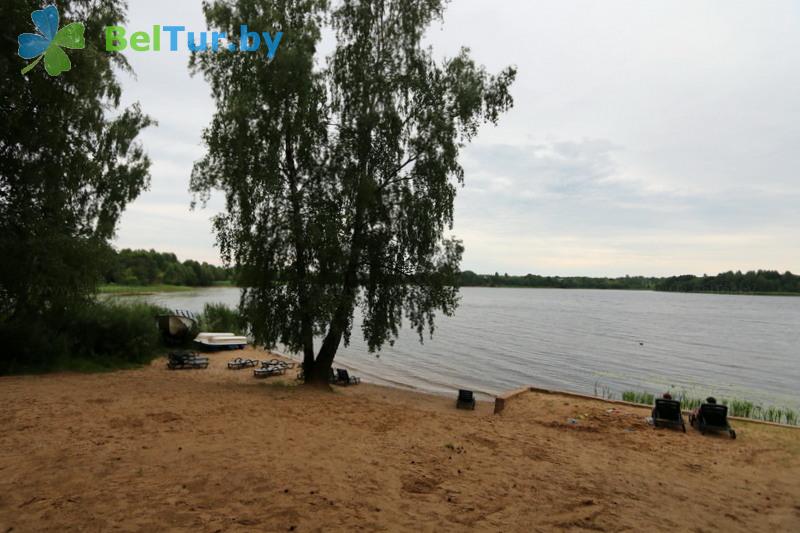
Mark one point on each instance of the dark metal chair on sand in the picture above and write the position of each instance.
(239, 363)
(344, 378)
(273, 367)
(185, 359)
(466, 400)
(712, 417)
(667, 413)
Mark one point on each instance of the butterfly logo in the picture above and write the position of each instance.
(49, 41)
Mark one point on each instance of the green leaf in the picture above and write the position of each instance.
(56, 60)
(70, 36)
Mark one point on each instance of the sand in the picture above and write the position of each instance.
(217, 450)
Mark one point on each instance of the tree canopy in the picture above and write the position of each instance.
(149, 267)
(69, 164)
(340, 173)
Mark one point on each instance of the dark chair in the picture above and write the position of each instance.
(712, 417)
(466, 400)
(184, 359)
(239, 363)
(344, 378)
(668, 413)
(268, 370)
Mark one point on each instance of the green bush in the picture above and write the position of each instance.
(95, 336)
(220, 317)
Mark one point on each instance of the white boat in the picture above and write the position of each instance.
(220, 341)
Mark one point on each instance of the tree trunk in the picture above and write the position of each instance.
(301, 269)
(330, 344)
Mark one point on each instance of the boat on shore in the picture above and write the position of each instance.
(176, 325)
(211, 341)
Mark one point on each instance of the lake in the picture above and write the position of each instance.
(731, 346)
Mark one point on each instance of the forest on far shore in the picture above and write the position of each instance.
(761, 281)
(149, 267)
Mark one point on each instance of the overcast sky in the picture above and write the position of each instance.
(652, 138)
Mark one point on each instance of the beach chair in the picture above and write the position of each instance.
(269, 369)
(184, 360)
(667, 413)
(287, 365)
(712, 417)
(239, 363)
(466, 400)
(344, 378)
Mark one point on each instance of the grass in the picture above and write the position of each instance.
(638, 397)
(220, 317)
(736, 407)
(127, 290)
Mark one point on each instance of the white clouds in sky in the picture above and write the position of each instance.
(646, 138)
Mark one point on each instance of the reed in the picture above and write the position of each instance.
(736, 407)
(638, 397)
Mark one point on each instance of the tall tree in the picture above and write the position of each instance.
(340, 178)
(69, 164)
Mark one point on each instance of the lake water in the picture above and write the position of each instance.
(745, 347)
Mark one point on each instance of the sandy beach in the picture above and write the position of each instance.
(217, 450)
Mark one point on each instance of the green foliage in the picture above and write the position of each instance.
(340, 180)
(69, 164)
(469, 278)
(638, 397)
(761, 281)
(741, 408)
(94, 336)
(143, 267)
(220, 317)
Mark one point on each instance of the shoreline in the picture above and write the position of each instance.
(146, 290)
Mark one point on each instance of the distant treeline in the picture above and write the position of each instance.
(762, 281)
(759, 281)
(471, 279)
(148, 267)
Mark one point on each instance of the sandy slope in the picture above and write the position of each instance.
(216, 450)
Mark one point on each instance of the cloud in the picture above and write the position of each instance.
(570, 207)
(645, 138)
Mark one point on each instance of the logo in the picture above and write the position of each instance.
(117, 39)
(49, 41)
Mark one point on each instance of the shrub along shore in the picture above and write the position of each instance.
(101, 335)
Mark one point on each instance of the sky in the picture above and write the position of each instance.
(647, 138)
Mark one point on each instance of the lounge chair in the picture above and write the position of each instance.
(239, 363)
(182, 360)
(712, 417)
(466, 400)
(344, 378)
(668, 413)
(270, 368)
